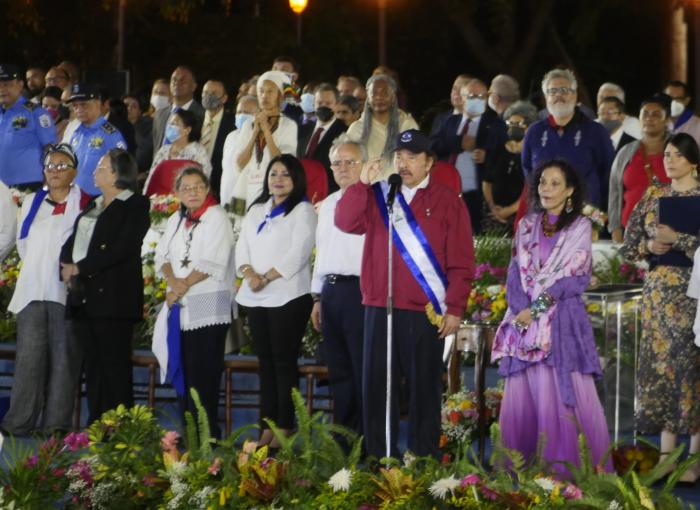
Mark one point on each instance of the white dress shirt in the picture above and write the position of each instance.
(229, 167)
(409, 193)
(285, 243)
(336, 251)
(8, 221)
(209, 301)
(39, 279)
(465, 160)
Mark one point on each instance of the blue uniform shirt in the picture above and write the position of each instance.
(90, 144)
(585, 144)
(24, 130)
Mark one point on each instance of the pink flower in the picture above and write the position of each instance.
(31, 461)
(215, 467)
(572, 492)
(169, 441)
(470, 480)
(76, 441)
(488, 493)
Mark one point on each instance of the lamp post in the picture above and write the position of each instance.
(298, 7)
(382, 33)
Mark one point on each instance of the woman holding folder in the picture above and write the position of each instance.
(669, 363)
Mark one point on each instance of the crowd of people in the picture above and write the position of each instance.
(304, 167)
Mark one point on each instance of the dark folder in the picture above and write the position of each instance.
(682, 214)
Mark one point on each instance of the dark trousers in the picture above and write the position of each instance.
(474, 201)
(417, 357)
(108, 366)
(203, 362)
(277, 333)
(342, 318)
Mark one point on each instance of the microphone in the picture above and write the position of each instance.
(394, 183)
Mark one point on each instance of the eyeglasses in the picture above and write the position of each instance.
(197, 188)
(474, 96)
(511, 123)
(655, 114)
(344, 162)
(57, 167)
(559, 91)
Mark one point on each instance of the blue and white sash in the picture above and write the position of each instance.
(411, 243)
(39, 197)
(167, 345)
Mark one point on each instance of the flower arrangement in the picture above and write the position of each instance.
(162, 207)
(460, 418)
(598, 218)
(641, 458)
(9, 272)
(614, 269)
(154, 289)
(487, 298)
(127, 461)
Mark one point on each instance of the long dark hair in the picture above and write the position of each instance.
(296, 172)
(573, 180)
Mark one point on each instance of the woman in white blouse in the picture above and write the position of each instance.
(48, 359)
(182, 148)
(268, 135)
(195, 255)
(273, 254)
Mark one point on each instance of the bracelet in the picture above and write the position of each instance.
(541, 305)
(245, 269)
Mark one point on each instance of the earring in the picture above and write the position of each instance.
(694, 173)
(569, 205)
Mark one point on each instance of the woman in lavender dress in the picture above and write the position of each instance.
(545, 343)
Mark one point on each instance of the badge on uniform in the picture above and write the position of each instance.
(19, 122)
(45, 121)
(96, 142)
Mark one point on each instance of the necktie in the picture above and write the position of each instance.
(206, 134)
(460, 134)
(313, 143)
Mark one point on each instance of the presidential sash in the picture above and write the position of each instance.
(413, 246)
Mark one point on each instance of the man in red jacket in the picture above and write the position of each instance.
(433, 264)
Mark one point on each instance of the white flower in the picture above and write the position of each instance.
(614, 505)
(546, 483)
(408, 459)
(341, 480)
(440, 488)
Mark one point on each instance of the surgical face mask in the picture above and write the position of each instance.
(53, 112)
(211, 102)
(516, 133)
(242, 118)
(474, 107)
(676, 108)
(324, 114)
(307, 102)
(491, 102)
(158, 101)
(610, 124)
(172, 133)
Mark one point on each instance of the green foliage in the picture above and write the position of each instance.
(492, 249)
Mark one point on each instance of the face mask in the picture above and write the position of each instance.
(676, 108)
(172, 133)
(211, 102)
(53, 112)
(474, 107)
(516, 133)
(159, 101)
(491, 102)
(324, 114)
(611, 125)
(307, 102)
(242, 118)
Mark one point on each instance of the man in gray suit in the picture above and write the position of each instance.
(182, 86)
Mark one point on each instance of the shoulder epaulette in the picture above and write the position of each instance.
(29, 106)
(109, 128)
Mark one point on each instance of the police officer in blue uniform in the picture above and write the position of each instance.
(25, 129)
(94, 137)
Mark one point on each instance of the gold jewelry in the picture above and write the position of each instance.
(694, 172)
(569, 205)
(549, 229)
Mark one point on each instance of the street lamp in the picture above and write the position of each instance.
(298, 7)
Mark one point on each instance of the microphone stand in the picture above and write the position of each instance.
(389, 327)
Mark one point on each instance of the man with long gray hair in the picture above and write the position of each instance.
(381, 122)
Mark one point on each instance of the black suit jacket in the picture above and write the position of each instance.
(490, 135)
(321, 155)
(228, 124)
(111, 271)
(624, 140)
